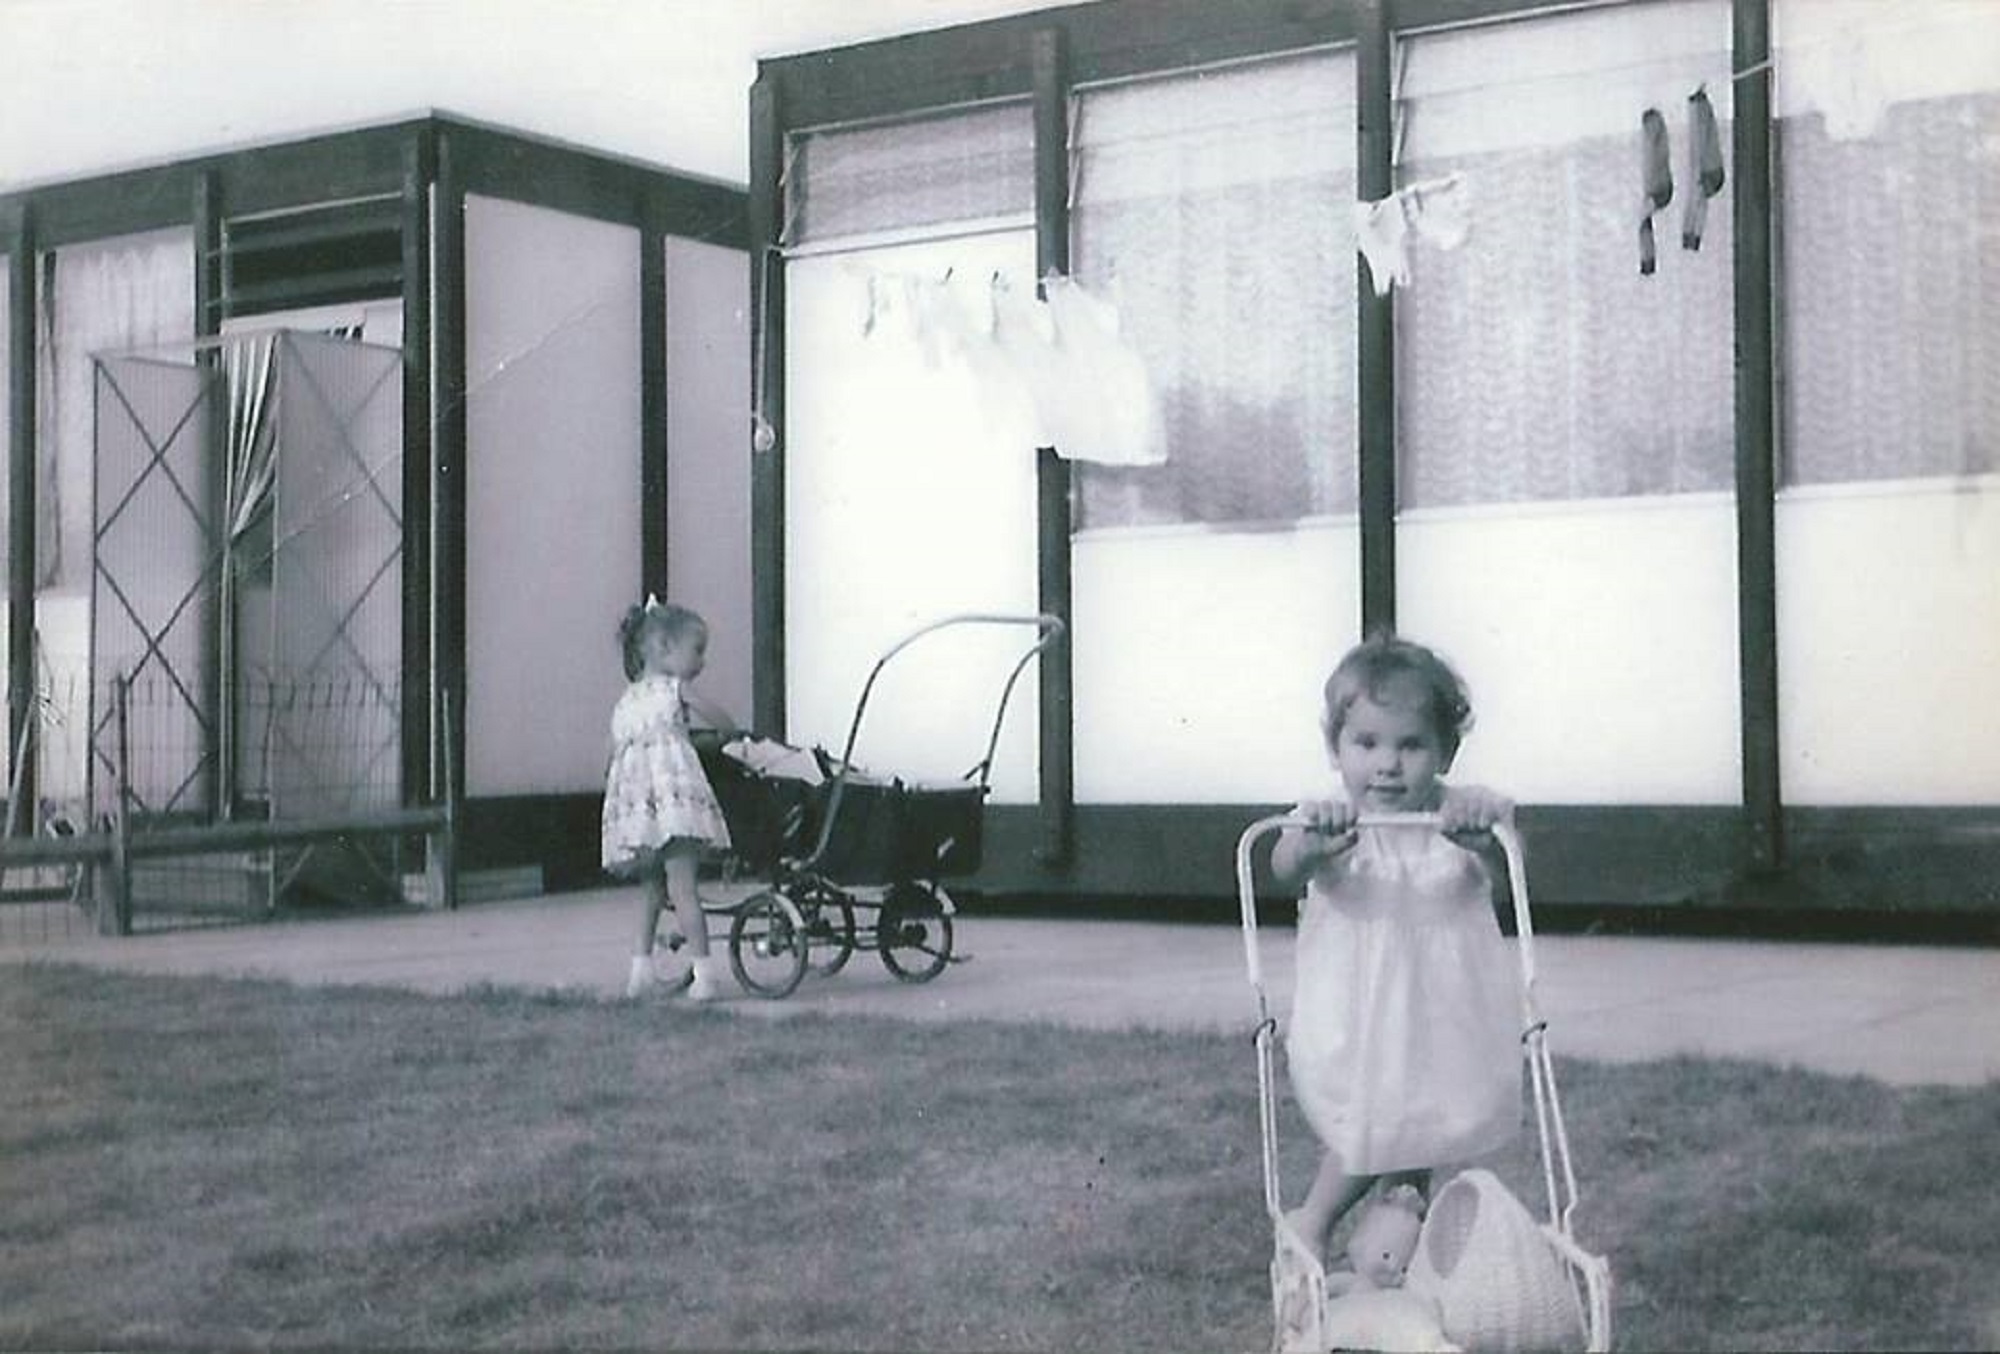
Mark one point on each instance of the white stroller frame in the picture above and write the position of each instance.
(1298, 1278)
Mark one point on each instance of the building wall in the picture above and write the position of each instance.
(6, 421)
(1889, 630)
(552, 492)
(1566, 411)
(708, 456)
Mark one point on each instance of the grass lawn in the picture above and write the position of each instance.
(211, 1164)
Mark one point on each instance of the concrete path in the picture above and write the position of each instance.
(1907, 1015)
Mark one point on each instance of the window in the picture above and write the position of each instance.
(1213, 209)
(1535, 361)
(965, 165)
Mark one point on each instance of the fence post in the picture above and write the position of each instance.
(114, 902)
(441, 846)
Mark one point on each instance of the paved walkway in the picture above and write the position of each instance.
(1905, 1014)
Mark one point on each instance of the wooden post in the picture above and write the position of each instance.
(654, 469)
(216, 619)
(1756, 436)
(448, 503)
(114, 903)
(416, 761)
(1053, 517)
(23, 304)
(1375, 357)
(767, 435)
(441, 847)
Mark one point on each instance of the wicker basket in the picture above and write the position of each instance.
(1498, 1279)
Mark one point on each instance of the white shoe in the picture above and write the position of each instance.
(640, 978)
(702, 984)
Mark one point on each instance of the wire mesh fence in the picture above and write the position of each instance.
(313, 746)
(49, 901)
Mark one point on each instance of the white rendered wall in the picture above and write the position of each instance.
(1599, 641)
(708, 456)
(1889, 643)
(6, 471)
(905, 501)
(552, 492)
(1200, 655)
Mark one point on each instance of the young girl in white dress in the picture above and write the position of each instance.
(659, 812)
(1403, 1044)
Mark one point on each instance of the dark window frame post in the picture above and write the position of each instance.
(1053, 482)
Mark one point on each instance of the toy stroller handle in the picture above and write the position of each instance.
(1048, 630)
(1503, 833)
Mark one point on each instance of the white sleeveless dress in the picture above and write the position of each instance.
(1404, 1041)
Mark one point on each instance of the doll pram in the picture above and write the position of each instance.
(846, 861)
(1485, 1303)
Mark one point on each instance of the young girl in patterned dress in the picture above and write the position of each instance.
(1403, 1044)
(659, 812)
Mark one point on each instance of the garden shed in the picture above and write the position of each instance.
(1494, 322)
(333, 463)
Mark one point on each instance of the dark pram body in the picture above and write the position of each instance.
(846, 860)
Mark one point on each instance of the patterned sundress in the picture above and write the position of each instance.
(655, 790)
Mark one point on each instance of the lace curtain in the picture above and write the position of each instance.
(1535, 361)
(132, 292)
(1212, 208)
(1889, 141)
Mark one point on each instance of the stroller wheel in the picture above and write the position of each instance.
(767, 946)
(914, 934)
(829, 932)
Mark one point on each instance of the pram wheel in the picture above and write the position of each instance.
(829, 932)
(914, 933)
(767, 945)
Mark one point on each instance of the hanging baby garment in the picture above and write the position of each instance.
(1838, 76)
(1112, 410)
(1435, 210)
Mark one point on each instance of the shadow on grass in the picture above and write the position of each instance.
(203, 1163)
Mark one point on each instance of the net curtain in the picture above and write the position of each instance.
(132, 292)
(1537, 362)
(1212, 209)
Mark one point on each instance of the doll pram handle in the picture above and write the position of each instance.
(1048, 630)
(1558, 1173)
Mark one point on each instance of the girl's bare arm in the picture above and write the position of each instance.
(1300, 852)
(705, 714)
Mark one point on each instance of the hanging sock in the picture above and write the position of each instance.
(1656, 178)
(1704, 167)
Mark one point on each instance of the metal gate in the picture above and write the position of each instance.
(246, 620)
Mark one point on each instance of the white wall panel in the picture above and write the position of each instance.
(708, 454)
(552, 491)
(1200, 656)
(1598, 639)
(1889, 643)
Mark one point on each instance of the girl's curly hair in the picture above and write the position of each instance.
(671, 620)
(1382, 660)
